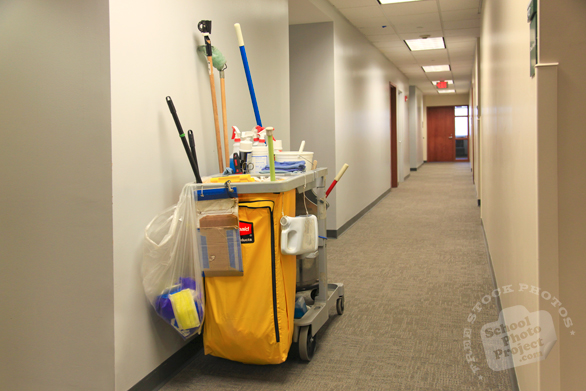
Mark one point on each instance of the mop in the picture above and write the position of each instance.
(205, 26)
(219, 62)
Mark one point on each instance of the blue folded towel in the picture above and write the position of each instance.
(282, 167)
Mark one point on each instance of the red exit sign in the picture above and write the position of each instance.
(442, 84)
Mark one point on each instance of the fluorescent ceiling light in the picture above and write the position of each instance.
(394, 1)
(446, 91)
(436, 68)
(425, 44)
(447, 81)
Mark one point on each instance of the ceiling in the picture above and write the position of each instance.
(387, 26)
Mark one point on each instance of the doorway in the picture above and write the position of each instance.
(394, 148)
(447, 134)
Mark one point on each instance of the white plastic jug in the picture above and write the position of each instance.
(299, 235)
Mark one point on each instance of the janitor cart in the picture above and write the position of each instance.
(233, 335)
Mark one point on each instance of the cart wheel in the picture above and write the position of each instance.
(340, 305)
(306, 343)
(313, 294)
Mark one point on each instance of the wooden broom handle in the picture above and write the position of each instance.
(225, 119)
(216, 119)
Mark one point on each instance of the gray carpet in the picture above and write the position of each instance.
(413, 268)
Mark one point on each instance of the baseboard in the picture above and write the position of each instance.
(335, 233)
(499, 305)
(170, 367)
(419, 166)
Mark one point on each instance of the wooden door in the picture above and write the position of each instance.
(394, 149)
(441, 146)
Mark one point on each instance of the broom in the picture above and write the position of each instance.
(219, 62)
(205, 26)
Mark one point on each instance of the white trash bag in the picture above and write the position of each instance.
(171, 272)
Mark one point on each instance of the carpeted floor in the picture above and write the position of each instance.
(413, 269)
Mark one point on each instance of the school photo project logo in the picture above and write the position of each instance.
(519, 337)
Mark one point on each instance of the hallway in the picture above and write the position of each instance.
(413, 268)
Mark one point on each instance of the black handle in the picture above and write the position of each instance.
(182, 135)
(193, 154)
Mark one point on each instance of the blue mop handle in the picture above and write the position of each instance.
(247, 71)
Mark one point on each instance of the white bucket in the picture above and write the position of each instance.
(259, 158)
(295, 156)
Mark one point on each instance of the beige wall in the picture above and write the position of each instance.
(56, 266)
(416, 120)
(312, 96)
(531, 165)
(362, 118)
(567, 46)
(509, 155)
(90, 154)
(153, 54)
(475, 121)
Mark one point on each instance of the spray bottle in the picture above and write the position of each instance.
(260, 153)
(256, 131)
(236, 146)
(236, 138)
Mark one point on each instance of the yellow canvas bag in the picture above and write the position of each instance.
(250, 318)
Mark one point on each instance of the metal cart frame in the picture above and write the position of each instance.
(329, 295)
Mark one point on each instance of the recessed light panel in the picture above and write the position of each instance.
(425, 44)
(446, 91)
(394, 1)
(447, 81)
(436, 68)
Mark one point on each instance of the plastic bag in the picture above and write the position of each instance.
(171, 273)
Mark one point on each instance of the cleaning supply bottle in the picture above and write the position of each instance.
(236, 138)
(260, 154)
(256, 139)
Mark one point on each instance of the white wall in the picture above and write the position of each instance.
(362, 104)
(56, 222)
(154, 55)
(417, 140)
(312, 96)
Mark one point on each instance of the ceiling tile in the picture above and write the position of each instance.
(418, 18)
(377, 30)
(370, 22)
(416, 7)
(459, 40)
(431, 56)
(440, 75)
(460, 14)
(351, 3)
(381, 37)
(362, 12)
(463, 32)
(390, 44)
(461, 46)
(454, 5)
(419, 28)
(432, 34)
(461, 24)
